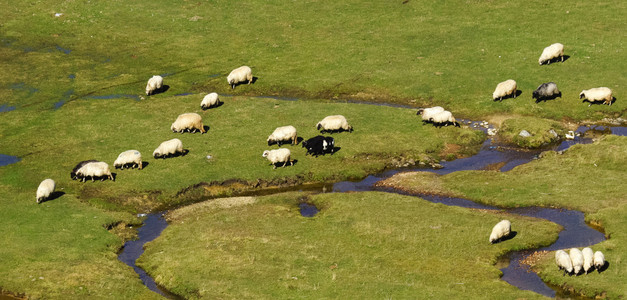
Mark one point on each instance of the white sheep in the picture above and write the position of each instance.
(188, 121)
(576, 257)
(505, 89)
(443, 118)
(501, 230)
(281, 155)
(588, 259)
(334, 123)
(95, 170)
(563, 261)
(282, 134)
(129, 157)
(427, 113)
(45, 189)
(154, 84)
(168, 148)
(209, 101)
(241, 74)
(597, 94)
(551, 52)
(599, 260)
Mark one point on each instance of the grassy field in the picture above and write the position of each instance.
(74, 73)
(360, 245)
(589, 178)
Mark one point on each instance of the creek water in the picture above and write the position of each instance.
(576, 232)
(8, 159)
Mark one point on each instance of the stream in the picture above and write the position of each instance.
(576, 232)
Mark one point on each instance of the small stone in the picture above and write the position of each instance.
(524, 133)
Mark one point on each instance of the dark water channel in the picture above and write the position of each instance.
(576, 232)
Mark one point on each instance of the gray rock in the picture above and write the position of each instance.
(524, 133)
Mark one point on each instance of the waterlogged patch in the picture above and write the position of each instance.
(8, 159)
(308, 210)
(6, 107)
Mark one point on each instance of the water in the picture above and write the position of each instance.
(152, 228)
(8, 159)
(308, 210)
(6, 107)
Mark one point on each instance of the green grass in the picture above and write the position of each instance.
(589, 178)
(360, 245)
(543, 132)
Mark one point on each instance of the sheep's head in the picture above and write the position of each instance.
(265, 153)
(420, 111)
(582, 94)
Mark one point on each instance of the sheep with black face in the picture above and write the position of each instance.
(319, 145)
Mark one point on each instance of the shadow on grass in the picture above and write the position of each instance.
(557, 59)
(246, 83)
(214, 106)
(544, 99)
(511, 235)
(604, 267)
(53, 196)
(164, 88)
(178, 154)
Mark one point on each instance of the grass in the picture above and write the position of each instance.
(589, 178)
(360, 245)
(543, 132)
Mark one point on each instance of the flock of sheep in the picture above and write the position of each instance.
(574, 263)
(320, 145)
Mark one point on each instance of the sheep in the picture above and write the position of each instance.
(169, 148)
(319, 145)
(505, 89)
(129, 158)
(209, 101)
(588, 259)
(99, 169)
(154, 84)
(241, 74)
(563, 261)
(443, 118)
(500, 231)
(427, 113)
(576, 257)
(45, 189)
(546, 91)
(282, 134)
(334, 123)
(188, 121)
(599, 260)
(281, 155)
(597, 94)
(554, 51)
(78, 166)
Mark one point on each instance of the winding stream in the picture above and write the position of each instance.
(576, 232)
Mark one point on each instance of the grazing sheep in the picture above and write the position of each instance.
(576, 257)
(427, 113)
(99, 169)
(209, 101)
(78, 166)
(282, 134)
(281, 155)
(241, 74)
(505, 89)
(599, 260)
(588, 259)
(169, 148)
(443, 118)
(563, 261)
(45, 189)
(597, 94)
(129, 158)
(554, 51)
(319, 145)
(188, 122)
(334, 123)
(154, 84)
(501, 230)
(546, 91)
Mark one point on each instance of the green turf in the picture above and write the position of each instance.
(589, 178)
(360, 245)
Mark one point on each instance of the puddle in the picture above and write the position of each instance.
(64, 50)
(66, 98)
(5, 108)
(8, 159)
(184, 94)
(308, 210)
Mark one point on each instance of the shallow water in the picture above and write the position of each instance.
(8, 159)
(6, 107)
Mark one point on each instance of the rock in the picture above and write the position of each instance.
(524, 133)
(553, 132)
(492, 131)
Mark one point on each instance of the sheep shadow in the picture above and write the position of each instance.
(557, 59)
(604, 267)
(144, 164)
(544, 99)
(251, 82)
(518, 93)
(599, 102)
(298, 140)
(285, 164)
(178, 154)
(164, 88)
(336, 149)
(508, 237)
(53, 196)
(215, 106)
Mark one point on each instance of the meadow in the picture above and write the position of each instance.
(72, 88)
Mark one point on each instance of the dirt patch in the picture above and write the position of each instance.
(219, 203)
(416, 183)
